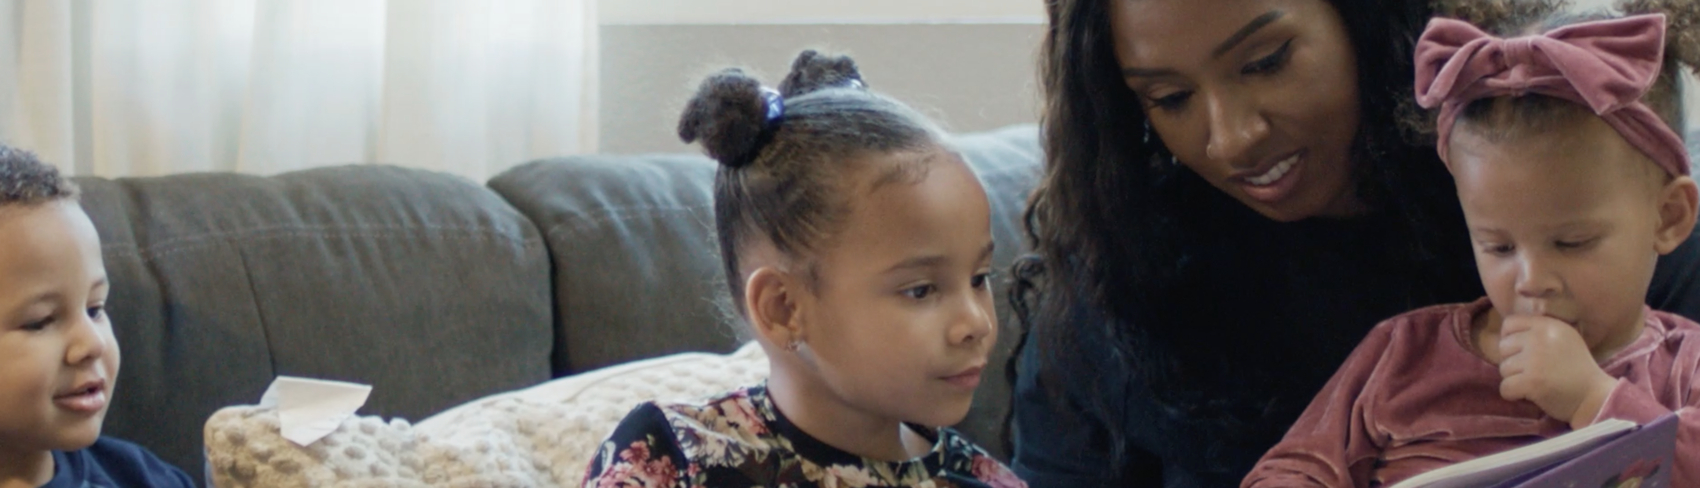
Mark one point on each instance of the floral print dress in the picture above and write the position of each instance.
(741, 440)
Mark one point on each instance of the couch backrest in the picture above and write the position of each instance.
(427, 286)
(637, 268)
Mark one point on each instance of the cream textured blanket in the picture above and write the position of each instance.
(540, 436)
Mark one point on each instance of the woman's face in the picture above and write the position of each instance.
(1259, 97)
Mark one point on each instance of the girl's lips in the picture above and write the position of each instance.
(967, 379)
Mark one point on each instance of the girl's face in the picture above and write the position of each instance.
(58, 357)
(900, 320)
(1259, 97)
(1568, 223)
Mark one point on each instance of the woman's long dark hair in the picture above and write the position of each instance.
(1113, 222)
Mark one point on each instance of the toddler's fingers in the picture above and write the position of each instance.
(1511, 366)
(1512, 389)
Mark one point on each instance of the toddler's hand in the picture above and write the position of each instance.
(1547, 362)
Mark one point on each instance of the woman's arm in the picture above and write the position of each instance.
(1060, 445)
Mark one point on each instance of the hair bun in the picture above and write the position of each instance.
(1682, 32)
(727, 115)
(813, 71)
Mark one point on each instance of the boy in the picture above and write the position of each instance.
(58, 357)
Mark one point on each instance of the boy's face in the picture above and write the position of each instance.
(1567, 223)
(58, 358)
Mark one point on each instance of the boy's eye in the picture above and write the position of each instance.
(920, 292)
(95, 311)
(980, 280)
(1271, 63)
(1576, 244)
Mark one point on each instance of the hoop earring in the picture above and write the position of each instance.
(1158, 152)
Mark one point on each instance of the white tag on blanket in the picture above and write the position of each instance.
(310, 409)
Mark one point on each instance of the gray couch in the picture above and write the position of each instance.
(430, 287)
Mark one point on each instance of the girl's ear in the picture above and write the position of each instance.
(1677, 207)
(772, 298)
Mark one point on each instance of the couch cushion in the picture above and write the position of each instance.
(637, 267)
(424, 285)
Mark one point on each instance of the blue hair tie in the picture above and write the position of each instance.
(775, 105)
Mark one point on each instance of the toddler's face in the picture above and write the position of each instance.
(903, 319)
(58, 358)
(1565, 223)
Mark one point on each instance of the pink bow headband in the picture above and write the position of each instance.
(1606, 66)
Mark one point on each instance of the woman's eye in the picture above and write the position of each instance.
(1271, 63)
(920, 292)
(1173, 101)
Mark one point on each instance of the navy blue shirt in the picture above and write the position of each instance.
(112, 463)
(1333, 295)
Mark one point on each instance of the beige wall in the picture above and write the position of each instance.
(971, 76)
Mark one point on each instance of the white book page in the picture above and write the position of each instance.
(1487, 470)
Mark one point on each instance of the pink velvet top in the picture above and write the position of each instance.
(1414, 396)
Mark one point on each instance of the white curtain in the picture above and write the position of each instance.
(150, 87)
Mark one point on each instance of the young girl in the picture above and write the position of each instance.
(1572, 184)
(857, 246)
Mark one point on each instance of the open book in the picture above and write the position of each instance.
(1607, 454)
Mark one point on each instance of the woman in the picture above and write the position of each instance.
(1228, 206)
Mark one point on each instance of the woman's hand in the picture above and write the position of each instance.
(1547, 362)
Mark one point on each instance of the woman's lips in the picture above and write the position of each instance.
(1275, 183)
(968, 379)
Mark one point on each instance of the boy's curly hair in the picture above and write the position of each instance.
(1508, 18)
(25, 180)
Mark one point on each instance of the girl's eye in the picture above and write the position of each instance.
(980, 280)
(95, 311)
(38, 325)
(920, 292)
(1497, 249)
(1271, 63)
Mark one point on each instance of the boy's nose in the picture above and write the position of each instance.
(87, 341)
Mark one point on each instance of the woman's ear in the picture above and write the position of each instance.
(1677, 207)
(772, 300)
